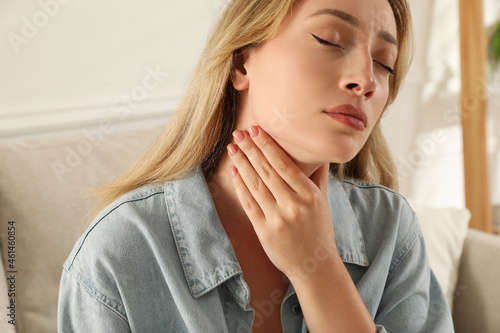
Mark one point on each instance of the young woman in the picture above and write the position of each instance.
(287, 231)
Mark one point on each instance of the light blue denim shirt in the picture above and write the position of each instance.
(159, 260)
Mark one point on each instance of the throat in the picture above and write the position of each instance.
(267, 284)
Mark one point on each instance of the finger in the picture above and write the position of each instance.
(279, 160)
(250, 206)
(320, 177)
(256, 187)
(261, 165)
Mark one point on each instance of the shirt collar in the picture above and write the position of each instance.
(205, 251)
(348, 236)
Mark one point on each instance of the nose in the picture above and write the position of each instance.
(358, 77)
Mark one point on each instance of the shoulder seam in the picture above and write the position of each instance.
(368, 185)
(79, 279)
(403, 253)
(135, 198)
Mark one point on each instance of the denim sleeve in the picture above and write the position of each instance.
(413, 300)
(79, 311)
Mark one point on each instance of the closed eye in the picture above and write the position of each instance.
(325, 42)
(389, 69)
(322, 41)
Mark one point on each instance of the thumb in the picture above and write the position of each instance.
(320, 178)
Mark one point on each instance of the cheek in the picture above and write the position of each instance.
(378, 105)
(381, 100)
(311, 78)
(287, 84)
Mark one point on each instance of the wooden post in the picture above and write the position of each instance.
(473, 98)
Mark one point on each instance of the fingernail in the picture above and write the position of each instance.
(254, 131)
(232, 149)
(234, 171)
(238, 136)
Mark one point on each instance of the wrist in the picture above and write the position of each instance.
(330, 301)
(317, 269)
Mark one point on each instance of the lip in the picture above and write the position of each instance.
(349, 115)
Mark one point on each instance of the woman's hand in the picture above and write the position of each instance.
(291, 217)
(288, 210)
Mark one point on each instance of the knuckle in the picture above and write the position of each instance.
(239, 185)
(263, 142)
(311, 197)
(280, 226)
(282, 165)
(245, 146)
(266, 170)
(255, 184)
(248, 205)
(240, 160)
(295, 211)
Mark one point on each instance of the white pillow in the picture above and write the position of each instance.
(444, 231)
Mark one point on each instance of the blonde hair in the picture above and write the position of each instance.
(207, 112)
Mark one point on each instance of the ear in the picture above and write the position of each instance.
(239, 77)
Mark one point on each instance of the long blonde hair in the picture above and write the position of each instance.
(207, 112)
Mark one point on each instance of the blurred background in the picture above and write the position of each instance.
(86, 85)
(70, 65)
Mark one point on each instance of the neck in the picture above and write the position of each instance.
(307, 168)
(221, 183)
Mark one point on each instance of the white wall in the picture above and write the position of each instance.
(67, 62)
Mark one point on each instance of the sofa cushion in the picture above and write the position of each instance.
(43, 183)
(477, 301)
(444, 230)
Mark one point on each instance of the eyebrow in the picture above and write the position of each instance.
(340, 14)
(388, 37)
(354, 21)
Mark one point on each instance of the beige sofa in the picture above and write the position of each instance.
(42, 188)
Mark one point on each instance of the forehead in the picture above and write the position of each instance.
(368, 15)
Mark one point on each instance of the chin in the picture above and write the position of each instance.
(320, 154)
(343, 155)
(342, 159)
(328, 157)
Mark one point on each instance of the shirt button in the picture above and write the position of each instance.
(296, 308)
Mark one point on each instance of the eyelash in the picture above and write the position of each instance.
(325, 42)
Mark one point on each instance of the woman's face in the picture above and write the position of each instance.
(319, 86)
